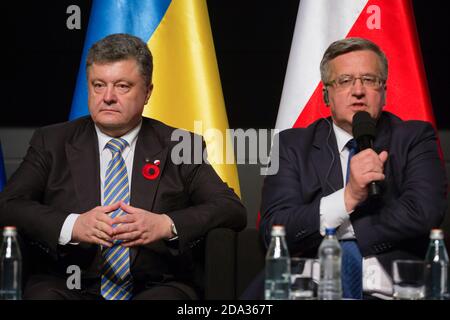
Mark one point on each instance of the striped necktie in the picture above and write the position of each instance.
(351, 273)
(116, 281)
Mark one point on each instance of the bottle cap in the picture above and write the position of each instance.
(278, 230)
(436, 234)
(9, 231)
(330, 231)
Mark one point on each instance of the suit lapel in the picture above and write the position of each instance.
(326, 159)
(382, 141)
(148, 150)
(83, 158)
(383, 136)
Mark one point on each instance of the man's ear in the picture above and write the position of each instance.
(149, 93)
(325, 96)
(383, 98)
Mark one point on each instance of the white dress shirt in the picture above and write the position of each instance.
(333, 214)
(105, 156)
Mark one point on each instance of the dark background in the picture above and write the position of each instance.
(252, 41)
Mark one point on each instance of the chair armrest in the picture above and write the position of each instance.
(220, 257)
(250, 258)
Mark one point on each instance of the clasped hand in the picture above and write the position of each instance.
(137, 227)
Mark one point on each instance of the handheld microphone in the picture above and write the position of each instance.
(364, 131)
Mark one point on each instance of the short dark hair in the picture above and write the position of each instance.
(343, 46)
(122, 46)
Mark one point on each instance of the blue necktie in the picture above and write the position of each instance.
(351, 272)
(116, 281)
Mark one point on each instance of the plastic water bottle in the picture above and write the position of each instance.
(10, 266)
(436, 261)
(278, 266)
(330, 256)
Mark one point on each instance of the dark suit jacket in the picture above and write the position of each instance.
(60, 175)
(395, 226)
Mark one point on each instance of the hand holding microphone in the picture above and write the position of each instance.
(366, 167)
(364, 131)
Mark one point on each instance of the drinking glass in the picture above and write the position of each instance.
(302, 286)
(409, 279)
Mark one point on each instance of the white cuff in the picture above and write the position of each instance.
(66, 232)
(332, 211)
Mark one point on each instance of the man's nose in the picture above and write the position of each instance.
(109, 96)
(358, 89)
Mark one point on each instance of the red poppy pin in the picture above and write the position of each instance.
(151, 171)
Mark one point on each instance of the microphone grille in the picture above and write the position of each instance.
(363, 125)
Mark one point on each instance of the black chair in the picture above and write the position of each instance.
(232, 260)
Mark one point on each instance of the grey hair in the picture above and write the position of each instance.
(121, 46)
(340, 47)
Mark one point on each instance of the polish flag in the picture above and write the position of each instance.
(388, 23)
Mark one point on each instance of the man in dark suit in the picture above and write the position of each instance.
(104, 194)
(310, 192)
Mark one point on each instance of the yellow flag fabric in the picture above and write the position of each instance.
(187, 84)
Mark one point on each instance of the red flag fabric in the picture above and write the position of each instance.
(391, 25)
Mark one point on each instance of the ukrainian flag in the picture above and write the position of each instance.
(187, 91)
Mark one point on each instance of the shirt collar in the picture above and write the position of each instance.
(342, 137)
(129, 137)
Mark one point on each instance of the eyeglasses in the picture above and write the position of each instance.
(346, 81)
